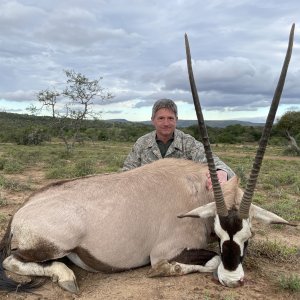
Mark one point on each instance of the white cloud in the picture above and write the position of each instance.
(138, 47)
(19, 96)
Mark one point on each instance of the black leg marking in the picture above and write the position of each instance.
(194, 256)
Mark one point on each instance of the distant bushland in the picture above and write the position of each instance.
(27, 129)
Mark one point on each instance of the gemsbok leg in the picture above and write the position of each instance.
(58, 271)
(188, 261)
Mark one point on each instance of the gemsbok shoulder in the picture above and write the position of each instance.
(120, 221)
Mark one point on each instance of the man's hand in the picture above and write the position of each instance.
(222, 176)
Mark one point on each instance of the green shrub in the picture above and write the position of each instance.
(31, 136)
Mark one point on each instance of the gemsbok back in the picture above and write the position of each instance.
(121, 221)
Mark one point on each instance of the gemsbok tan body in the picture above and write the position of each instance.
(121, 221)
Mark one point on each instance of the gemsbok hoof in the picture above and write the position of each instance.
(70, 286)
(160, 269)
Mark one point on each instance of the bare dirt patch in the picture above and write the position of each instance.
(136, 285)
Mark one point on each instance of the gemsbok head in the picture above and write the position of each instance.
(233, 227)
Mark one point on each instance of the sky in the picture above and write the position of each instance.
(137, 48)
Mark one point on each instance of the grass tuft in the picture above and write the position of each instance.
(290, 283)
(3, 201)
(285, 206)
(273, 250)
(13, 185)
(84, 167)
(241, 173)
(11, 166)
(3, 218)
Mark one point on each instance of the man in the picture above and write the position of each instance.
(167, 141)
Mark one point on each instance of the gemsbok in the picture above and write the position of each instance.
(125, 220)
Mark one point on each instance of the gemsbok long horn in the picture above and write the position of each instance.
(219, 198)
(248, 194)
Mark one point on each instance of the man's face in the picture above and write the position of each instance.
(164, 122)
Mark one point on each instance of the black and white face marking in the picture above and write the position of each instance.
(233, 233)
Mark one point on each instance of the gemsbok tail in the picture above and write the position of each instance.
(6, 283)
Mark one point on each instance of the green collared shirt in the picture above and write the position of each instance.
(146, 150)
(163, 147)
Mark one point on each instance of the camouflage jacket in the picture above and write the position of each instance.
(146, 150)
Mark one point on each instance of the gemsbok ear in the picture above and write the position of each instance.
(266, 216)
(205, 211)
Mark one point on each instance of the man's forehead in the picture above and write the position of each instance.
(165, 112)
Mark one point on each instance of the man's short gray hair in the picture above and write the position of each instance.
(164, 103)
